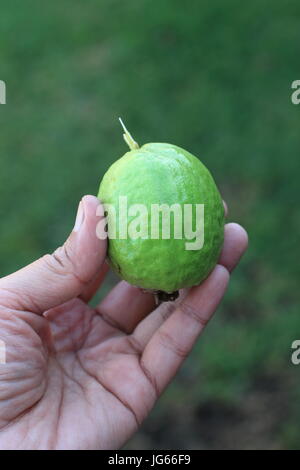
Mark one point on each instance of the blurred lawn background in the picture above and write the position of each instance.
(215, 78)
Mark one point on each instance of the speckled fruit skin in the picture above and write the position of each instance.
(160, 173)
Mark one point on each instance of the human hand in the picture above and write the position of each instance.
(78, 377)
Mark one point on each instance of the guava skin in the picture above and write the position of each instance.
(159, 173)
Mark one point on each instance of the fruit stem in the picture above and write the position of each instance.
(132, 144)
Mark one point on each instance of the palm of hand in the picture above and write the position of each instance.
(75, 387)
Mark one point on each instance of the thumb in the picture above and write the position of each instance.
(57, 278)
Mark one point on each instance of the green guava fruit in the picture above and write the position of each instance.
(157, 174)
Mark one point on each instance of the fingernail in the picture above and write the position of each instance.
(79, 218)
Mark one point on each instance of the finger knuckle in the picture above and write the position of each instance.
(61, 263)
(189, 311)
(169, 343)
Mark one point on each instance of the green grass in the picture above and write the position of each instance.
(213, 77)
